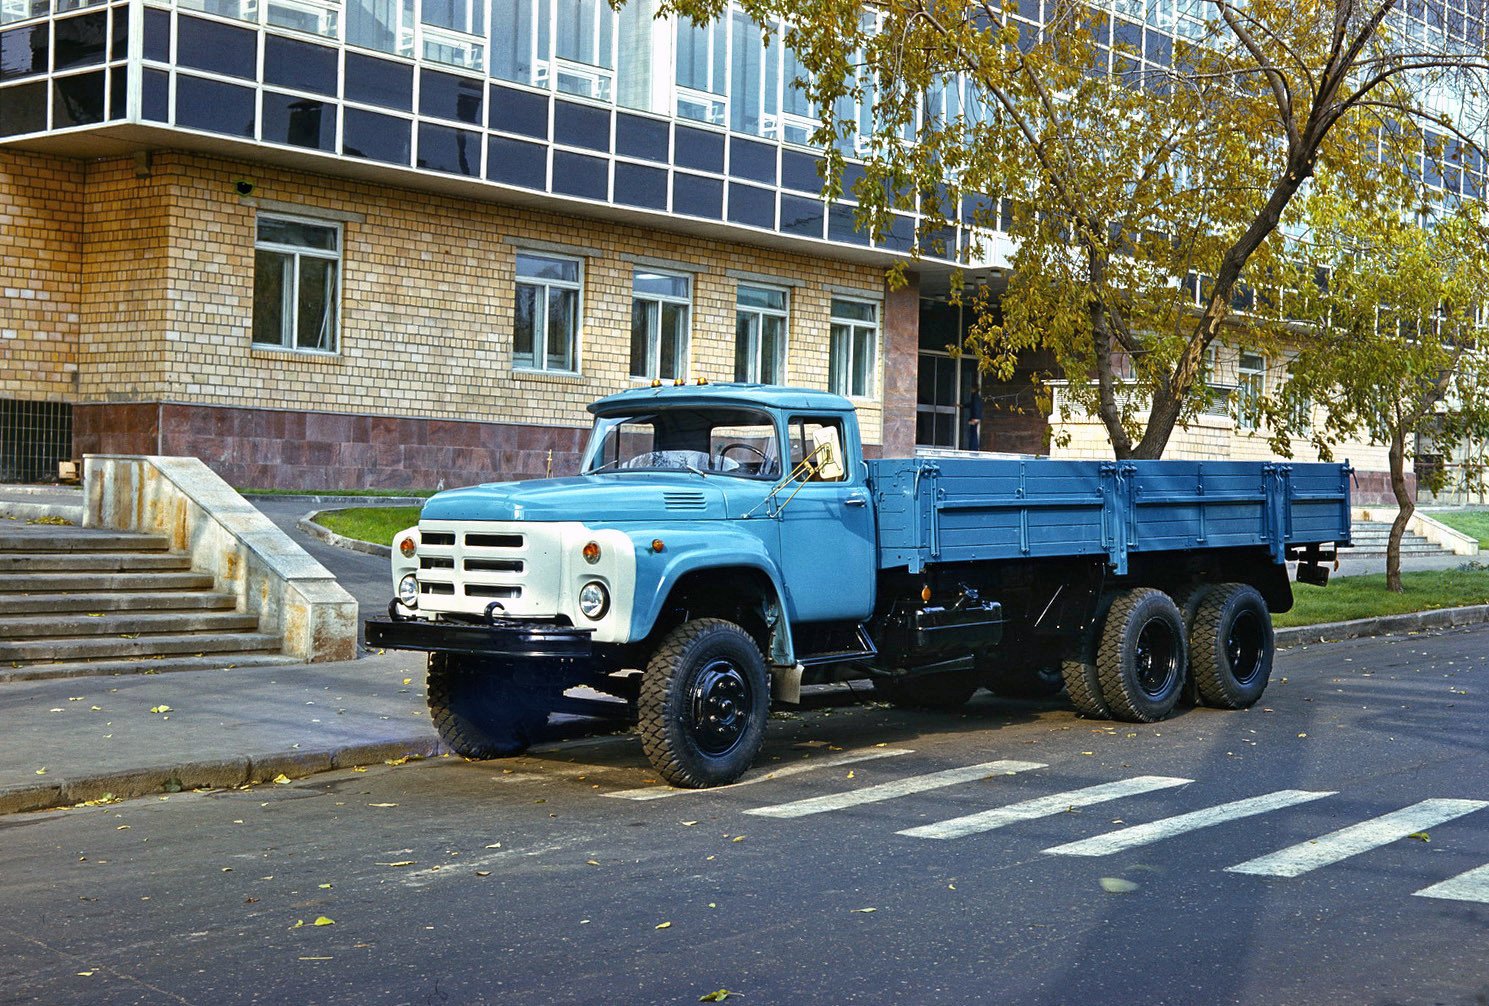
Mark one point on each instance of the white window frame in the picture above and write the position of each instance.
(850, 366)
(759, 314)
(1251, 384)
(540, 318)
(290, 305)
(654, 329)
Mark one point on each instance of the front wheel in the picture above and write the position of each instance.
(703, 704)
(481, 710)
(1141, 658)
(1231, 646)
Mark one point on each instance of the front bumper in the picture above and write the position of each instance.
(500, 639)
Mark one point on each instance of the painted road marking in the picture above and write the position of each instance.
(1142, 834)
(897, 788)
(1470, 886)
(794, 768)
(1044, 806)
(1346, 842)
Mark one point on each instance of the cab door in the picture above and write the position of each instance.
(828, 548)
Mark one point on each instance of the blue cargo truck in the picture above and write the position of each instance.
(726, 544)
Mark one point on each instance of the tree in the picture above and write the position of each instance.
(1146, 176)
(1392, 340)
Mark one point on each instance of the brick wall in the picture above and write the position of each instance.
(41, 223)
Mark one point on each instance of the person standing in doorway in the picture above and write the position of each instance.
(972, 420)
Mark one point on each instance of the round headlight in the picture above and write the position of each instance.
(408, 591)
(594, 600)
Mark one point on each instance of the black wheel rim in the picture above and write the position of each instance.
(1156, 658)
(1243, 647)
(720, 701)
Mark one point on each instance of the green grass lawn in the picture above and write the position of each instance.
(370, 523)
(1474, 523)
(1345, 598)
(1348, 597)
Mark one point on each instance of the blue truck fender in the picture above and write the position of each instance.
(690, 551)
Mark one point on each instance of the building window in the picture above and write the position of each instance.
(659, 324)
(855, 341)
(296, 284)
(760, 335)
(545, 326)
(1251, 376)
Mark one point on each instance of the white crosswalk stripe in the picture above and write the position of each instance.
(1346, 842)
(1142, 834)
(1470, 886)
(795, 768)
(897, 788)
(1044, 806)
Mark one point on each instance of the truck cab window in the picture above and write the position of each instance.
(821, 442)
(738, 442)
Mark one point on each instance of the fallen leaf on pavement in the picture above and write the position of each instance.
(401, 862)
(1116, 885)
(321, 920)
(717, 997)
(664, 925)
(1420, 836)
(382, 805)
(865, 911)
(282, 779)
(160, 709)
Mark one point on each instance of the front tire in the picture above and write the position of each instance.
(1142, 658)
(481, 710)
(703, 704)
(1231, 646)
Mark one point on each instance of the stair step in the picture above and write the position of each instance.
(155, 600)
(91, 562)
(52, 582)
(29, 651)
(128, 623)
(49, 538)
(143, 665)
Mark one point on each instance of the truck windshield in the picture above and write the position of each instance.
(737, 442)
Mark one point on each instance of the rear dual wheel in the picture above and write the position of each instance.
(1141, 659)
(1231, 646)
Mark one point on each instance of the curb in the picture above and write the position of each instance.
(347, 502)
(325, 534)
(219, 773)
(1383, 625)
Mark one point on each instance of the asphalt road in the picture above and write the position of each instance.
(541, 880)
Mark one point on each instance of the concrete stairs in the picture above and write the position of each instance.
(1371, 537)
(76, 601)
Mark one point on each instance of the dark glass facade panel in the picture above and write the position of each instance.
(639, 185)
(375, 137)
(800, 171)
(577, 175)
(801, 216)
(456, 151)
(301, 122)
(446, 96)
(751, 205)
(698, 149)
(157, 42)
(218, 48)
(694, 196)
(118, 92)
(579, 125)
(81, 41)
(852, 175)
(155, 96)
(516, 163)
(23, 109)
(214, 106)
(514, 111)
(301, 65)
(1160, 48)
(755, 161)
(77, 100)
(638, 136)
(840, 226)
(23, 52)
(119, 44)
(901, 234)
(379, 82)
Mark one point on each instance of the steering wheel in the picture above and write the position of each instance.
(764, 458)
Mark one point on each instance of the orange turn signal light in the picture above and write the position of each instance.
(406, 547)
(925, 593)
(657, 545)
(591, 552)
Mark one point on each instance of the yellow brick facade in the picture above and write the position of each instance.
(427, 298)
(41, 225)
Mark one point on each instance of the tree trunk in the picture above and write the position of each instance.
(1406, 504)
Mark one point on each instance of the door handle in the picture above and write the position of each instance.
(854, 499)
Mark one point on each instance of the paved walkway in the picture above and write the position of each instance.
(75, 740)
